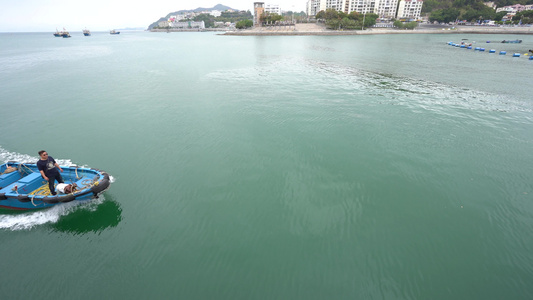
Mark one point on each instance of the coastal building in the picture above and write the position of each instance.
(385, 9)
(215, 13)
(362, 6)
(189, 25)
(259, 9)
(338, 5)
(410, 9)
(182, 16)
(314, 6)
(273, 9)
(512, 9)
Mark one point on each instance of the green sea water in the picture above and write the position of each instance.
(314, 167)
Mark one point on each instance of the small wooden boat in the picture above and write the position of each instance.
(23, 188)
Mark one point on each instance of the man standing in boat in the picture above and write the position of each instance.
(49, 170)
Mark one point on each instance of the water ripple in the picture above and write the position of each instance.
(346, 82)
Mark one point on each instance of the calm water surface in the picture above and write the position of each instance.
(356, 167)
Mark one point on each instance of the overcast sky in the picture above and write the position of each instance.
(96, 15)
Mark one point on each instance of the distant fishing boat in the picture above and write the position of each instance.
(86, 32)
(61, 33)
(114, 32)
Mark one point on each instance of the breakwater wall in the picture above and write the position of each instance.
(459, 30)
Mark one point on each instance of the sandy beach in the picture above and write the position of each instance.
(319, 29)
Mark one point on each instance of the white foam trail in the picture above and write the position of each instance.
(27, 221)
(6, 156)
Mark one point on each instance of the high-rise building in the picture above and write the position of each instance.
(385, 9)
(410, 9)
(337, 5)
(361, 6)
(314, 6)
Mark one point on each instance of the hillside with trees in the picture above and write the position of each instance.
(445, 11)
(227, 15)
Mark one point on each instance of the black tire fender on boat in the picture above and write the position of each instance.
(23, 198)
(51, 200)
(57, 199)
(66, 198)
(102, 185)
(3, 196)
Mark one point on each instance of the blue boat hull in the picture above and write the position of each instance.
(25, 189)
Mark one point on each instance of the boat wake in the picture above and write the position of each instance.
(27, 221)
(348, 83)
(6, 156)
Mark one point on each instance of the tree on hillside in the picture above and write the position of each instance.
(525, 16)
(234, 16)
(244, 24)
(444, 15)
(401, 25)
(270, 18)
(209, 20)
(339, 20)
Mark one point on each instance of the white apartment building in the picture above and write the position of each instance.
(338, 5)
(410, 9)
(362, 6)
(314, 6)
(385, 9)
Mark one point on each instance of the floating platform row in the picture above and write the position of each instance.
(469, 47)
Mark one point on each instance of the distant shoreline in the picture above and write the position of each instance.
(320, 31)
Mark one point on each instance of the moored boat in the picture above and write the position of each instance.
(65, 33)
(114, 32)
(23, 188)
(59, 33)
(512, 42)
(86, 32)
